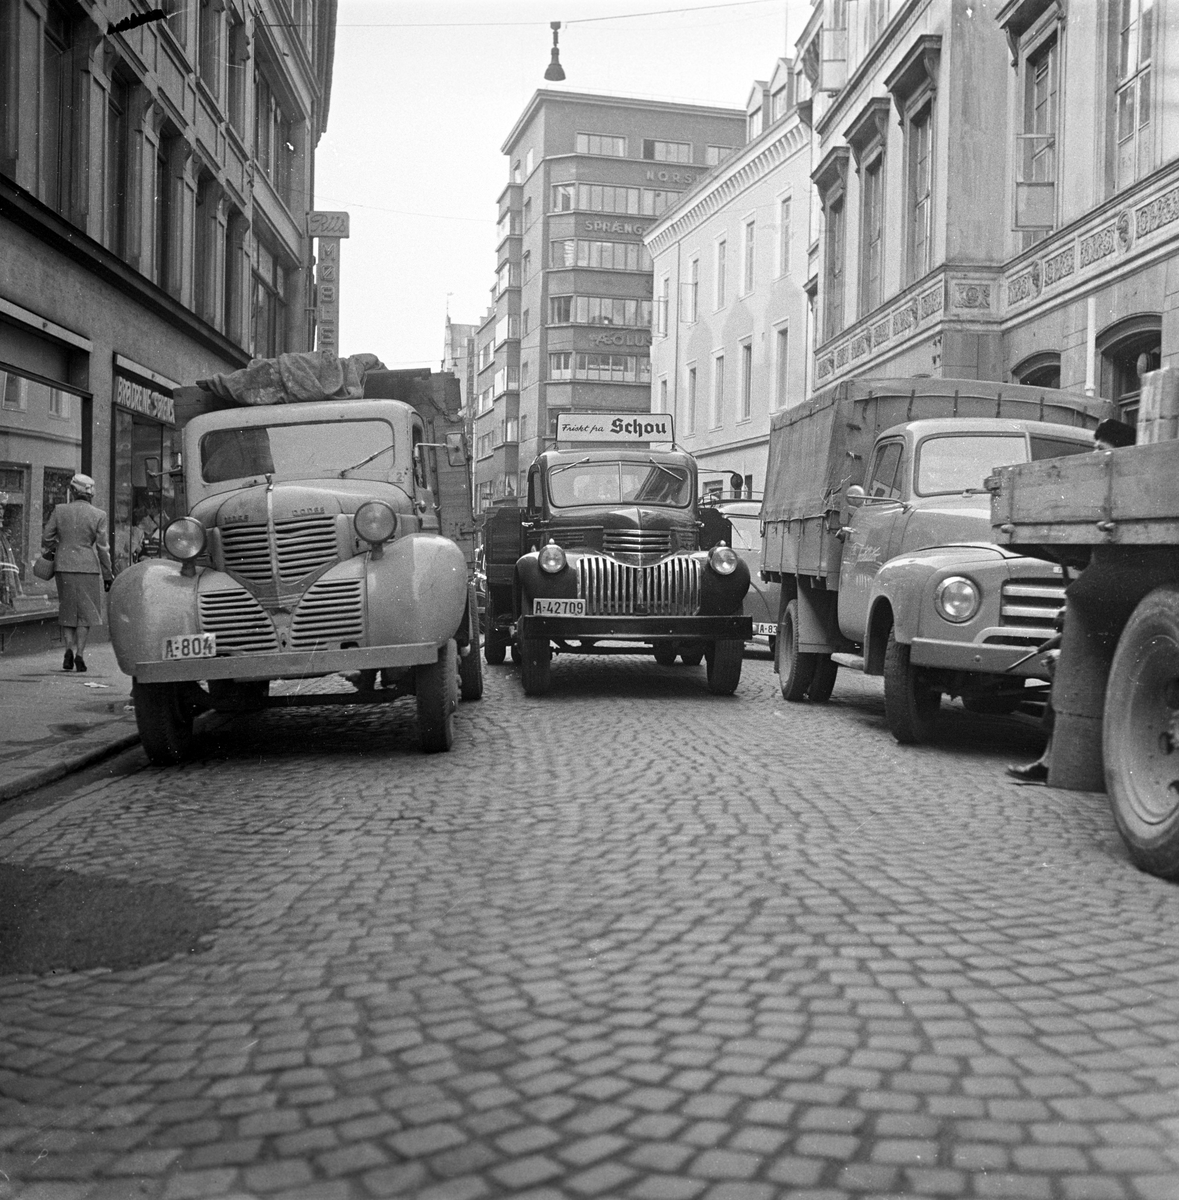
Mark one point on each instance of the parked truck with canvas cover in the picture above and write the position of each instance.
(612, 553)
(877, 525)
(313, 545)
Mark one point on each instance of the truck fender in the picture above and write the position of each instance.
(151, 601)
(817, 633)
(417, 590)
(880, 625)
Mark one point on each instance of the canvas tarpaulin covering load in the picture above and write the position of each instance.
(294, 379)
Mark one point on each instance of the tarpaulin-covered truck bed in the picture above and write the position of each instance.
(820, 448)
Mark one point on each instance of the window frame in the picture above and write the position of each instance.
(745, 411)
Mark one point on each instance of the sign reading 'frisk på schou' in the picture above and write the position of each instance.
(624, 428)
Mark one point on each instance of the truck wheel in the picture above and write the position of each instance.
(795, 669)
(693, 657)
(536, 656)
(724, 657)
(163, 714)
(495, 645)
(665, 653)
(910, 703)
(437, 695)
(470, 669)
(1140, 734)
(823, 681)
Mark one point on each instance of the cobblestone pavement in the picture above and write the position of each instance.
(628, 940)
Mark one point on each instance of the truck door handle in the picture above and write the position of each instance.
(842, 533)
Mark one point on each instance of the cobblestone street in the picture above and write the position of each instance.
(628, 940)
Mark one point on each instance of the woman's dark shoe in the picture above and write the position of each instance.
(67, 663)
(1036, 772)
(79, 663)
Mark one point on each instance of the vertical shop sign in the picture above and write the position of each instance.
(330, 228)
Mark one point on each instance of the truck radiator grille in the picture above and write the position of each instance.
(303, 545)
(1031, 605)
(636, 541)
(667, 589)
(238, 621)
(332, 611)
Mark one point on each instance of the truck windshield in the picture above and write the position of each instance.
(316, 450)
(960, 463)
(650, 482)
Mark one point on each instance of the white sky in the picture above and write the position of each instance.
(418, 115)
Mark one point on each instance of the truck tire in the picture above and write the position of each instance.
(495, 642)
(693, 657)
(164, 715)
(436, 686)
(536, 655)
(823, 681)
(724, 658)
(470, 669)
(665, 653)
(1140, 733)
(795, 669)
(911, 704)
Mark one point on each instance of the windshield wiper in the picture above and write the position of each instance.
(365, 461)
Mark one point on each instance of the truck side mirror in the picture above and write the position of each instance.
(855, 496)
(151, 466)
(456, 451)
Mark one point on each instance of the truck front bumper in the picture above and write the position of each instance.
(301, 665)
(976, 657)
(637, 629)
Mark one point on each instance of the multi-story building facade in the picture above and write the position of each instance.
(155, 180)
(730, 266)
(573, 293)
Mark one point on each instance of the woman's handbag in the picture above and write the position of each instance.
(43, 567)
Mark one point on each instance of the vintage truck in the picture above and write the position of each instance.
(612, 553)
(315, 542)
(1111, 519)
(876, 524)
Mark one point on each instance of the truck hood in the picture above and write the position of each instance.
(290, 501)
(941, 520)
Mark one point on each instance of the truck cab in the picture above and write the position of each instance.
(311, 546)
(612, 546)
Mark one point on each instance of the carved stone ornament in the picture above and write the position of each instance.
(1125, 230)
(972, 295)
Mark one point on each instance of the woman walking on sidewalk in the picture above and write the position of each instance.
(76, 538)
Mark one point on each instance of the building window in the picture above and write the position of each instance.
(560, 310)
(600, 310)
(529, 162)
(721, 250)
(272, 139)
(920, 192)
(1038, 370)
(204, 243)
(662, 395)
(1035, 188)
(209, 44)
(746, 380)
(561, 365)
(508, 276)
(673, 152)
(715, 155)
(747, 256)
(163, 213)
(269, 304)
(525, 376)
(238, 72)
(525, 322)
(1128, 351)
(872, 235)
(661, 315)
(690, 406)
(833, 291)
(57, 106)
(601, 143)
(780, 103)
(782, 367)
(609, 198)
(528, 212)
(784, 236)
(690, 307)
(526, 264)
(605, 256)
(753, 123)
(718, 391)
(117, 166)
(1133, 89)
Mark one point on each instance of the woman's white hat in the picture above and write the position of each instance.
(83, 484)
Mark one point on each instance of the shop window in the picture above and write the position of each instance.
(147, 488)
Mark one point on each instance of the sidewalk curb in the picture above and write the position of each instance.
(39, 775)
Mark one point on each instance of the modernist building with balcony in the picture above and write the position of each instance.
(587, 175)
(155, 180)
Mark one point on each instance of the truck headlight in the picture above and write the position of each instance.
(722, 560)
(551, 559)
(184, 538)
(957, 598)
(375, 522)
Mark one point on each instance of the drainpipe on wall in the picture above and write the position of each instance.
(1091, 346)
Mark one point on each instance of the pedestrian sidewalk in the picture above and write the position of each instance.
(53, 722)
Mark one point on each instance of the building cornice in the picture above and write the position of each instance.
(757, 160)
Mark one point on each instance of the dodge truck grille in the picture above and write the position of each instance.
(238, 621)
(302, 544)
(331, 611)
(1032, 605)
(667, 589)
(636, 541)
